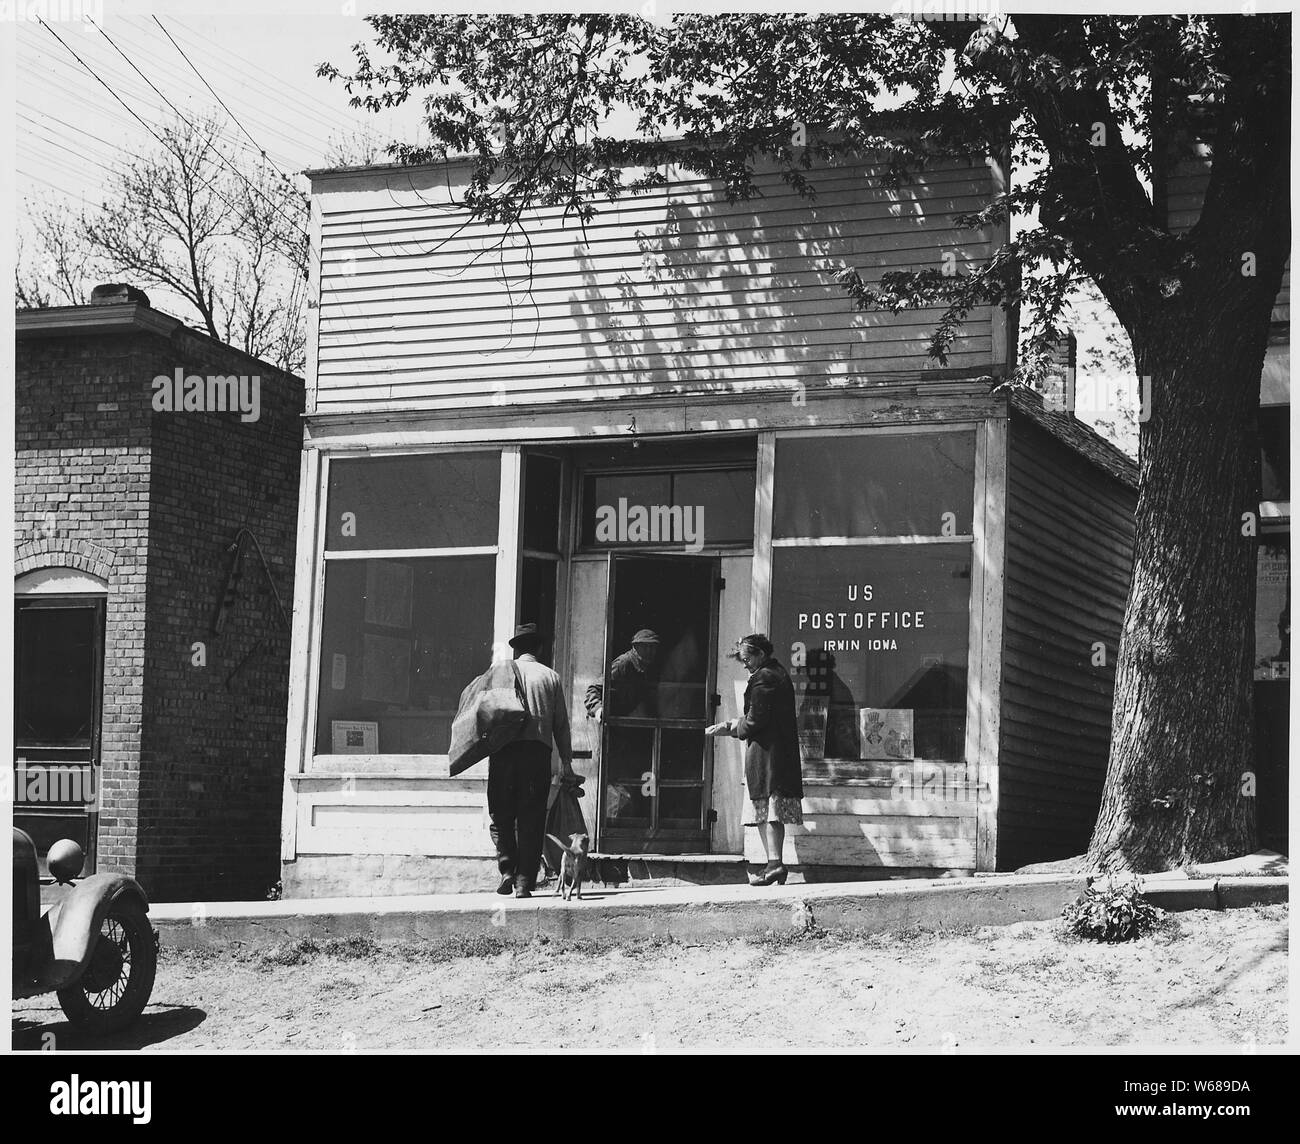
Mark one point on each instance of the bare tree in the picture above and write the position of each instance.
(360, 147)
(226, 237)
(60, 268)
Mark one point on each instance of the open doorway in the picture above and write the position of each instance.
(58, 682)
(659, 694)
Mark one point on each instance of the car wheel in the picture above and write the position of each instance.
(114, 987)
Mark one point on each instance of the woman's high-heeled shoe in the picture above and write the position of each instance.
(771, 874)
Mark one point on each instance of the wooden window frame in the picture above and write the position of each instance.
(508, 558)
(985, 540)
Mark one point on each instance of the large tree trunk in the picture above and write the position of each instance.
(1177, 789)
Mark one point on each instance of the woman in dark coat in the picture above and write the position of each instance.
(772, 772)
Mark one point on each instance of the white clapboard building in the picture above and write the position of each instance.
(674, 418)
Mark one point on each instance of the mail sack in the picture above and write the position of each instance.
(493, 710)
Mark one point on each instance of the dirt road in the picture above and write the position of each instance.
(1213, 979)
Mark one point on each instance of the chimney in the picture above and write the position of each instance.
(116, 293)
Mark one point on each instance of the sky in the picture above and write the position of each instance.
(69, 134)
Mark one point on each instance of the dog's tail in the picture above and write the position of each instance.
(562, 845)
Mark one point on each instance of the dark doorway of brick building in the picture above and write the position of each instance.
(58, 684)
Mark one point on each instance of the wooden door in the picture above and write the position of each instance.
(58, 685)
(656, 762)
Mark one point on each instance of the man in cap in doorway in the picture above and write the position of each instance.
(633, 681)
(519, 775)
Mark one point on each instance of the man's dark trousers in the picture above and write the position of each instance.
(519, 780)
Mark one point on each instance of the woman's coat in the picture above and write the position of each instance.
(770, 730)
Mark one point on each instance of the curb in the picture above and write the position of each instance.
(694, 914)
(1216, 893)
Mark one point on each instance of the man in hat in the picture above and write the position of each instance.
(519, 775)
(633, 681)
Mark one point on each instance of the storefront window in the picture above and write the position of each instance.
(541, 527)
(687, 509)
(399, 642)
(1275, 458)
(401, 636)
(537, 601)
(1272, 613)
(877, 640)
(877, 485)
(439, 500)
(873, 617)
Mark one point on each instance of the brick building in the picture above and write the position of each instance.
(153, 578)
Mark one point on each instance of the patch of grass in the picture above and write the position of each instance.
(454, 948)
(297, 952)
(1040, 963)
(199, 956)
(354, 947)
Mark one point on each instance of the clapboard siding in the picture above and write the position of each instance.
(675, 290)
(1069, 554)
(1184, 195)
(867, 826)
(413, 815)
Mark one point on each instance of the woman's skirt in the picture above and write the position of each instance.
(778, 808)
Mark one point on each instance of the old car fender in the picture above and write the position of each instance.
(65, 936)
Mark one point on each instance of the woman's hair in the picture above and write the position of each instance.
(759, 642)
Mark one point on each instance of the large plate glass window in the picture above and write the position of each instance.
(871, 575)
(410, 583)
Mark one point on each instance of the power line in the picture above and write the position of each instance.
(294, 95)
(125, 83)
(53, 186)
(83, 153)
(207, 186)
(170, 66)
(221, 101)
(104, 85)
(215, 150)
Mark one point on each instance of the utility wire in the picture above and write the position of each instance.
(215, 150)
(261, 150)
(161, 141)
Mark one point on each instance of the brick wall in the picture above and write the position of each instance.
(192, 755)
(81, 492)
(212, 761)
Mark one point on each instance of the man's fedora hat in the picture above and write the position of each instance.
(526, 632)
(645, 635)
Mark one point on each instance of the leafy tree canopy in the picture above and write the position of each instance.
(1090, 111)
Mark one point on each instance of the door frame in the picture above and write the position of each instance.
(51, 756)
(657, 839)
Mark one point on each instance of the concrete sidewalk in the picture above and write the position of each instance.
(694, 913)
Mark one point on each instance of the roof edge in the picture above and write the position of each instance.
(122, 318)
(1077, 436)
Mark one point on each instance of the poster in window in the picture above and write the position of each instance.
(886, 733)
(812, 713)
(388, 593)
(386, 670)
(354, 738)
(1272, 616)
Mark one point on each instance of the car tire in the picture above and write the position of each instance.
(103, 1001)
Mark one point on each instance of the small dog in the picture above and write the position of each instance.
(573, 865)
